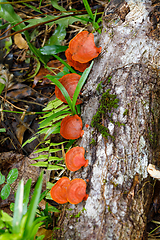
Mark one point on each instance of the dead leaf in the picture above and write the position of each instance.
(56, 65)
(20, 41)
(153, 171)
(43, 231)
(19, 91)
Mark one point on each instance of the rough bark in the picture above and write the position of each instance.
(119, 187)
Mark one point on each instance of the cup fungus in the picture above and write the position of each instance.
(69, 82)
(75, 159)
(59, 190)
(82, 47)
(71, 127)
(76, 191)
(77, 65)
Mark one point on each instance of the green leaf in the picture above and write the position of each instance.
(18, 208)
(43, 194)
(27, 188)
(50, 185)
(29, 141)
(11, 206)
(55, 150)
(33, 206)
(54, 167)
(2, 130)
(42, 150)
(12, 175)
(49, 119)
(57, 37)
(40, 237)
(41, 157)
(87, 7)
(1, 87)
(36, 224)
(57, 144)
(5, 191)
(7, 13)
(48, 196)
(53, 130)
(2, 225)
(80, 84)
(40, 164)
(6, 218)
(2, 178)
(52, 49)
(32, 7)
(54, 159)
(33, 22)
(53, 104)
(53, 209)
(55, 5)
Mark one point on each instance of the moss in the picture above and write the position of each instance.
(125, 112)
(114, 184)
(152, 137)
(107, 103)
(93, 142)
(109, 79)
(99, 88)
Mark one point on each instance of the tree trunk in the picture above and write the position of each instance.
(119, 187)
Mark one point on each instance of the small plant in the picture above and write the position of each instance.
(12, 176)
(47, 212)
(23, 224)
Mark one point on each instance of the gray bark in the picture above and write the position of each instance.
(120, 189)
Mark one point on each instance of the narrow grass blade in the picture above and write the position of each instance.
(27, 188)
(18, 208)
(33, 206)
(88, 9)
(80, 84)
(65, 64)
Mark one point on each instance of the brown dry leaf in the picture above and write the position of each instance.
(20, 133)
(43, 231)
(20, 91)
(20, 41)
(56, 65)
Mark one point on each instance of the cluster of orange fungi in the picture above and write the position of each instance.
(69, 191)
(81, 51)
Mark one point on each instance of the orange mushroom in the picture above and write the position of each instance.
(59, 190)
(76, 191)
(71, 127)
(77, 65)
(83, 48)
(75, 159)
(69, 82)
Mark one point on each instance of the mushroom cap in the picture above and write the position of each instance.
(76, 191)
(77, 65)
(83, 48)
(59, 190)
(71, 127)
(75, 159)
(69, 82)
